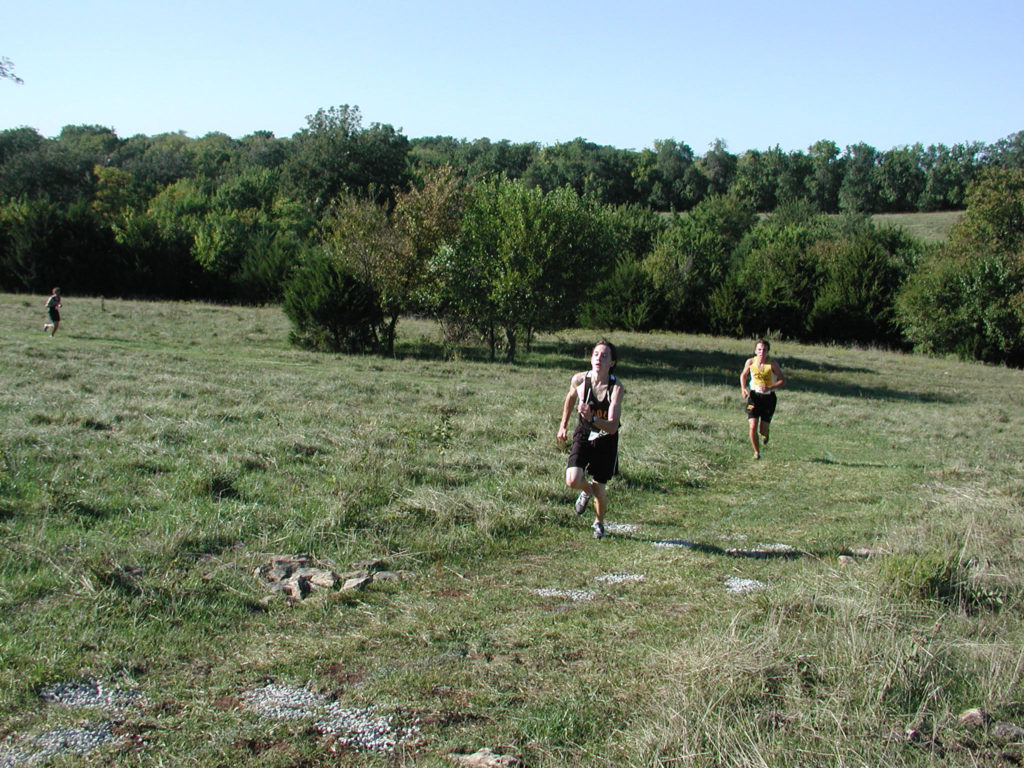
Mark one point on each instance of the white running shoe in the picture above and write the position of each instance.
(598, 530)
(581, 502)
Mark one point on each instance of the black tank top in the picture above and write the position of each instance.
(598, 408)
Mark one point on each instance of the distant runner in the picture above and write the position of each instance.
(764, 377)
(597, 394)
(52, 312)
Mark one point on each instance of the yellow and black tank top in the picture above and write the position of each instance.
(761, 376)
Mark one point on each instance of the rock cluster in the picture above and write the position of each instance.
(295, 577)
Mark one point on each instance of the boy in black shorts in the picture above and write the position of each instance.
(758, 381)
(597, 395)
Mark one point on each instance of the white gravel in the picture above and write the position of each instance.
(78, 740)
(576, 595)
(737, 586)
(364, 729)
(619, 578)
(60, 741)
(621, 528)
(92, 693)
(283, 702)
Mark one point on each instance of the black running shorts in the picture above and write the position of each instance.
(761, 406)
(600, 456)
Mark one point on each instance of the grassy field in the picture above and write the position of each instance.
(929, 227)
(154, 455)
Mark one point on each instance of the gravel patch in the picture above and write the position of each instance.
(737, 586)
(364, 729)
(619, 578)
(576, 595)
(60, 741)
(621, 528)
(283, 702)
(80, 740)
(673, 543)
(92, 693)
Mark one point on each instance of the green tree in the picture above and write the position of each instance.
(358, 237)
(604, 173)
(968, 296)
(330, 308)
(861, 274)
(901, 179)
(334, 155)
(719, 168)
(522, 261)
(693, 255)
(826, 175)
(859, 191)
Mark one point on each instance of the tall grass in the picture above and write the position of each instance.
(153, 455)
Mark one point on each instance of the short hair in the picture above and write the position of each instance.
(611, 349)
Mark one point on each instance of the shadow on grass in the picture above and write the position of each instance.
(752, 553)
(851, 464)
(692, 366)
(723, 369)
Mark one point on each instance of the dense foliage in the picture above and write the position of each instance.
(499, 240)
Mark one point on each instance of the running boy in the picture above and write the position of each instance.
(52, 312)
(597, 394)
(764, 377)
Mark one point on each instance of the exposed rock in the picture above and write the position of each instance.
(294, 576)
(280, 568)
(1007, 733)
(974, 717)
(846, 561)
(485, 758)
(358, 583)
(386, 576)
(318, 577)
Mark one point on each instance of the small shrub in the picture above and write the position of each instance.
(331, 309)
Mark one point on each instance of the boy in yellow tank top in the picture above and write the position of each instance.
(758, 382)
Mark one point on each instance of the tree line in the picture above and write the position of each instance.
(352, 227)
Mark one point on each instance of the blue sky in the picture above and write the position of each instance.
(754, 74)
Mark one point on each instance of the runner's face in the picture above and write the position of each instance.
(601, 359)
(760, 351)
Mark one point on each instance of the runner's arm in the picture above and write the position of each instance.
(570, 399)
(611, 424)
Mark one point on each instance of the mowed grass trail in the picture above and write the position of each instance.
(154, 455)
